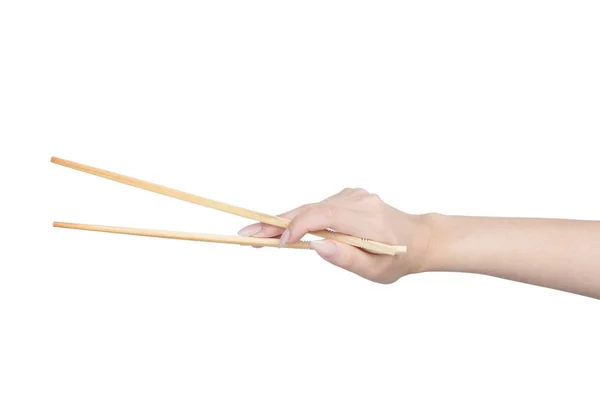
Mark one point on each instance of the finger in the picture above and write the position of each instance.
(348, 257)
(266, 230)
(251, 230)
(259, 230)
(319, 217)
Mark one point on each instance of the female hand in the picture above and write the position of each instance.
(361, 214)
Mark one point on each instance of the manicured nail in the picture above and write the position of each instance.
(323, 247)
(251, 230)
(284, 238)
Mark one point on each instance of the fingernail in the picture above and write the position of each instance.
(324, 247)
(251, 230)
(284, 238)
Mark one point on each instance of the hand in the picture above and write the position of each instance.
(358, 213)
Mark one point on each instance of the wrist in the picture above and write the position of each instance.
(424, 246)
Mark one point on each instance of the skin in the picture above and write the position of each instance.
(554, 253)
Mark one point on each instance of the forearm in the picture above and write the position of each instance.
(561, 254)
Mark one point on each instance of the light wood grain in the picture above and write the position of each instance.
(180, 235)
(369, 245)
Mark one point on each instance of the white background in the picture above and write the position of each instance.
(464, 107)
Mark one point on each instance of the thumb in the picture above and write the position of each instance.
(346, 256)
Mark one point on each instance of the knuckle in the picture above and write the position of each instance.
(373, 199)
(353, 192)
(386, 280)
(380, 273)
(347, 262)
(374, 274)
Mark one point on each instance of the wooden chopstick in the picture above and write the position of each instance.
(369, 245)
(180, 235)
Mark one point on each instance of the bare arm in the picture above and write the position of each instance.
(560, 254)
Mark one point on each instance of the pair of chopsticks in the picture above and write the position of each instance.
(368, 245)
